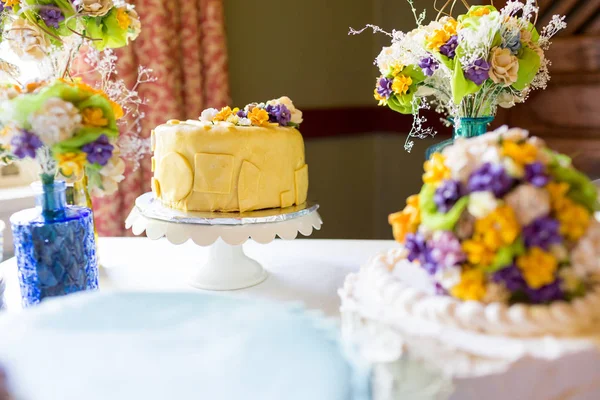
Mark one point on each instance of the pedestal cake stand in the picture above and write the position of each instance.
(228, 267)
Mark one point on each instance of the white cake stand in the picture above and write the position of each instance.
(228, 267)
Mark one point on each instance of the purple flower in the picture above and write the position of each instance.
(445, 250)
(511, 278)
(242, 114)
(542, 233)
(279, 113)
(52, 15)
(25, 144)
(428, 65)
(547, 293)
(100, 151)
(513, 42)
(478, 72)
(490, 177)
(535, 173)
(384, 87)
(419, 251)
(449, 49)
(447, 194)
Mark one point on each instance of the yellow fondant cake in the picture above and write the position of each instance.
(231, 160)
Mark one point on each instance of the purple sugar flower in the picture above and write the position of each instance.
(242, 114)
(25, 144)
(511, 278)
(490, 177)
(384, 87)
(428, 65)
(52, 16)
(546, 294)
(279, 113)
(100, 151)
(418, 250)
(447, 194)
(449, 49)
(542, 233)
(445, 250)
(478, 72)
(535, 173)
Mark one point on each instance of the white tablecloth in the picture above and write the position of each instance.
(303, 270)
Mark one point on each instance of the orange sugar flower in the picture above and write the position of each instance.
(435, 169)
(522, 154)
(258, 117)
(406, 221)
(94, 116)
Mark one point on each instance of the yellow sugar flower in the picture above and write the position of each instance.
(437, 39)
(471, 286)
(498, 228)
(93, 116)
(71, 165)
(558, 194)
(478, 253)
(538, 267)
(574, 220)
(407, 220)
(401, 84)
(123, 18)
(258, 117)
(396, 69)
(435, 169)
(223, 114)
(522, 154)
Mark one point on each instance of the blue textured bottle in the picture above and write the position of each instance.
(54, 246)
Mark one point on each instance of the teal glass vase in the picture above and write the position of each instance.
(465, 127)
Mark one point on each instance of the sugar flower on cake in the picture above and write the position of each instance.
(495, 237)
(278, 112)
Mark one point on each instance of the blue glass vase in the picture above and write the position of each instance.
(54, 246)
(465, 127)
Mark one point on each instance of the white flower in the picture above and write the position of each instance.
(512, 168)
(56, 121)
(529, 203)
(495, 293)
(508, 100)
(112, 174)
(96, 8)
(296, 114)
(586, 255)
(448, 277)
(481, 204)
(27, 40)
(209, 114)
(244, 122)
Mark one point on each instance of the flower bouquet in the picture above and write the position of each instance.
(501, 218)
(466, 66)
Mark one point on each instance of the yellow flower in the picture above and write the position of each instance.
(407, 220)
(477, 252)
(574, 219)
(451, 26)
(10, 3)
(71, 165)
(524, 153)
(397, 69)
(401, 84)
(223, 114)
(558, 194)
(479, 12)
(382, 100)
(437, 39)
(93, 116)
(498, 228)
(436, 169)
(123, 18)
(259, 117)
(471, 286)
(538, 267)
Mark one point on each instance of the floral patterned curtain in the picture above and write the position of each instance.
(183, 41)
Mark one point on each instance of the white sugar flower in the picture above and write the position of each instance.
(529, 203)
(448, 277)
(244, 122)
(27, 40)
(56, 121)
(111, 174)
(512, 168)
(481, 204)
(586, 255)
(233, 118)
(209, 114)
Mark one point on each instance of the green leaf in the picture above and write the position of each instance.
(106, 31)
(84, 136)
(435, 220)
(506, 255)
(529, 65)
(461, 86)
(582, 190)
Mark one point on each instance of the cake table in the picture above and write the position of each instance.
(228, 267)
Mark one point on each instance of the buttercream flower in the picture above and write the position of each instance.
(471, 286)
(296, 118)
(96, 8)
(401, 84)
(446, 249)
(448, 277)
(225, 112)
(504, 66)
(93, 116)
(384, 88)
(490, 177)
(435, 170)
(449, 48)
(542, 233)
(529, 203)
(99, 151)
(447, 194)
(585, 257)
(481, 204)
(495, 293)
(111, 174)
(27, 40)
(259, 117)
(522, 153)
(407, 220)
(536, 174)
(25, 144)
(209, 114)
(538, 267)
(429, 65)
(478, 72)
(55, 121)
(71, 165)
(499, 228)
